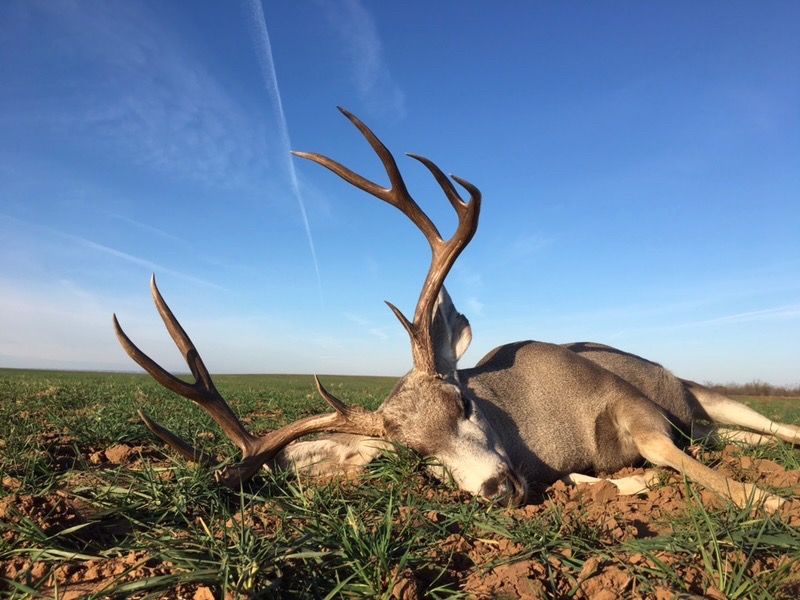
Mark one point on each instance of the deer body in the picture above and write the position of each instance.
(527, 412)
(531, 390)
(563, 411)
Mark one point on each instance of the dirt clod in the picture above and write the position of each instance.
(118, 454)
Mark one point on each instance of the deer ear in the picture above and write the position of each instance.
(451, 334)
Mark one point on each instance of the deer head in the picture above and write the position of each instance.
(427, 410)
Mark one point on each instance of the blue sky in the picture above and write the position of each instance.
(640, 167)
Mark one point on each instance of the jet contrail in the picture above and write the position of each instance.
(264, 52)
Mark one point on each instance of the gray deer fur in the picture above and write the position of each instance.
(557, 410)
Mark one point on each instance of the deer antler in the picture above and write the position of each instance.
(256, 450)
(444, 252)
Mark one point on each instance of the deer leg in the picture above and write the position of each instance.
(627, 486)
(751, 438)
(723, 436)
(659, 449)
(721, 409)
(330, 455)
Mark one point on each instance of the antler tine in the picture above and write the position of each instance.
(337, 404)
(444, 252)
(360, 420)
(203, 391)
(173, 384)
(256, 450)
(449, 190)
(397, 195)
(178, 444)
(445, 255)
(181, 339)
(165, 378)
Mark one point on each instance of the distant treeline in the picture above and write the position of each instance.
(754, 388)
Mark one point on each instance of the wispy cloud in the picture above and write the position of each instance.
(365, 324)
(136, 260)
(467, 276)
(467, 284)
(260, 35)
(196, 253)
(148, 228)
(528, 245)
(370, 72)
(767, 314)
(474, 307)
(143, 93)
(28, 235)
(777, 313)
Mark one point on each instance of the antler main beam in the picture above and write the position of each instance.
(256, 450)
(444, 252)
(203, 391)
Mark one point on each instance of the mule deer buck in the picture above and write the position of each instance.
(528, 412)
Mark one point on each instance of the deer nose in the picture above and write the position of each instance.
(506, 488)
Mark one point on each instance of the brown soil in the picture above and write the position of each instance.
(611, 519)
(488, 566)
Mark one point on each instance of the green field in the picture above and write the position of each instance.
(786, 410)
(91, 503)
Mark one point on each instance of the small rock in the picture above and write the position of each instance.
(118, 454)
(203, 593)
(406, 587)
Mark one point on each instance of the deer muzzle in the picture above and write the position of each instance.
(507, 489)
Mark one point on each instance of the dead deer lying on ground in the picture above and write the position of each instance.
(528, 412)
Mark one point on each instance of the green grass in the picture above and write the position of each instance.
(165, 527)
(785, 410)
